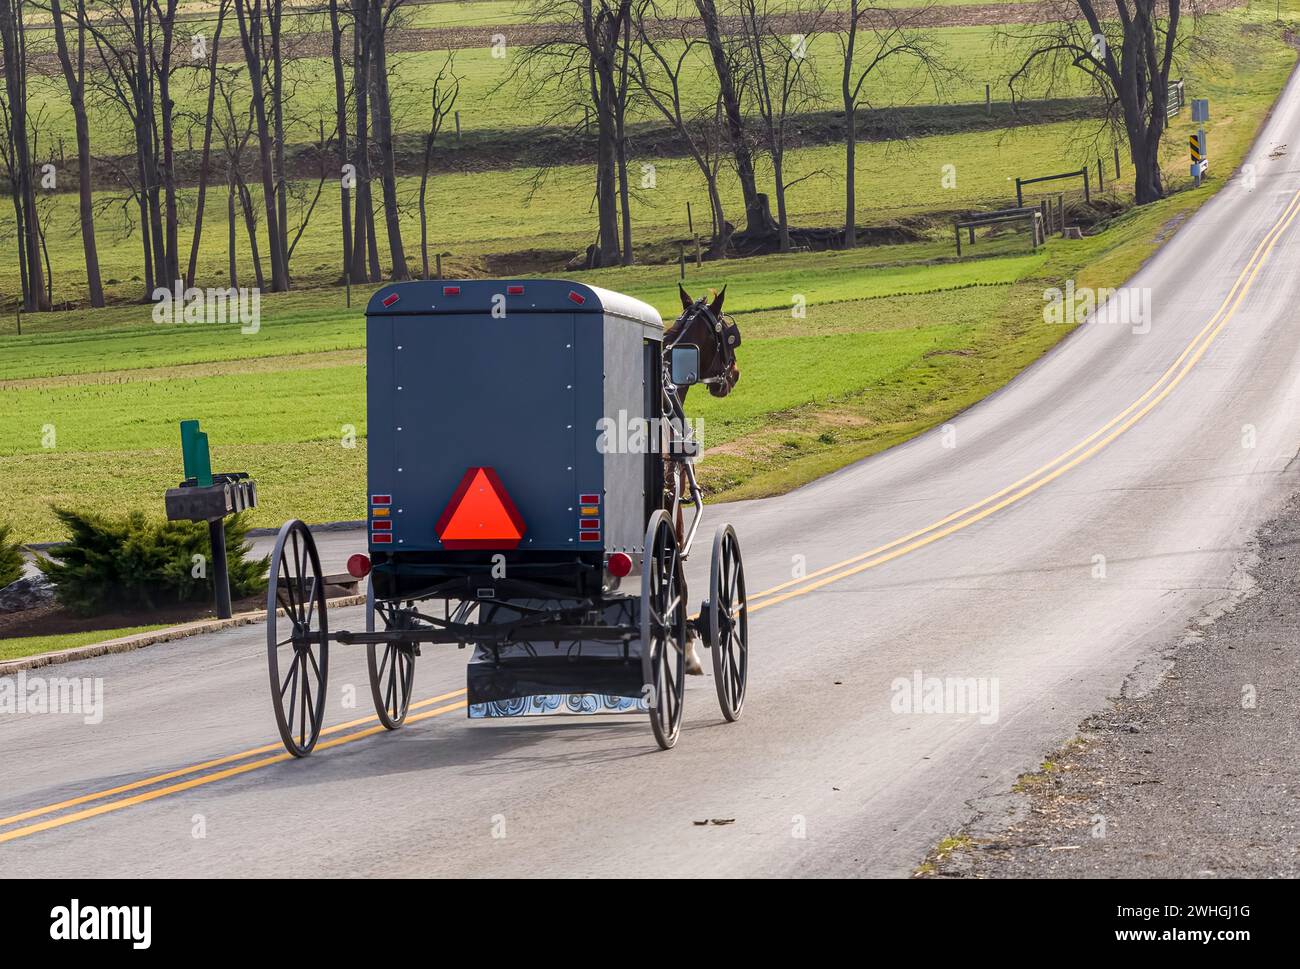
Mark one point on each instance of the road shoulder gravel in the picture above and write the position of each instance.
(1190, 773)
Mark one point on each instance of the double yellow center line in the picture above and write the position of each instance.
(209, 772)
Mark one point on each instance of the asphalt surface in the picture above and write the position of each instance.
(1195, 778)
(1119, 444)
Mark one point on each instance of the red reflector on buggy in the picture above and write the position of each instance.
(382, 526)
(359, 566)
(480, 514)
(382, 538)
(589, 499)
(514, 291)
(381, 499)
(451, 291)
(589, 537)
(576, 297)
(620, 564)
(391, 298)
(588, 524)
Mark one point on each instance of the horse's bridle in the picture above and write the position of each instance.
(726, 336)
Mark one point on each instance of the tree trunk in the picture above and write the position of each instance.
(250, 31)
(850, 173)
(782, 221)
(363, 225)
(230, 224)
(250, 223)
(341, 121)
(758, 220)
(171, 228)
(274, 15)
(76, 81)
(206, 156)
(13, 46)
(384, 138)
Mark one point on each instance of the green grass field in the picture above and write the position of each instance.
(22, 646)
(914, 336)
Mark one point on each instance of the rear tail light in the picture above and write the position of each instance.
(359, 566)
(620, 564)
(451, 291)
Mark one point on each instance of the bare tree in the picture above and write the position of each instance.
(880, 35)
(580, 59)
(73, 65)
(1127, 58)
(363, 240)
(446, 88)
(236, 131)
(206, 155)
(781, 79)
(660, 67)
(758, 215)
(379, 22)
(13, 47)
(252, 34)
(336, 29)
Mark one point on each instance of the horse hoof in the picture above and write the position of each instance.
(693, 665)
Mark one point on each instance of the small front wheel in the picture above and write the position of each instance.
(297, 638)
(728, 622)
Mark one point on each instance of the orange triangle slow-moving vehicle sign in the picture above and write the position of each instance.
(480, 514)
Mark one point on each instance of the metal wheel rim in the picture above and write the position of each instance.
(297, 631)
(391, 666)
(728, 623)
(663, 620)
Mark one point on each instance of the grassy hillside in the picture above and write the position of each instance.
(896, 338)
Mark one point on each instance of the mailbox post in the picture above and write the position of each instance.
(204, 496)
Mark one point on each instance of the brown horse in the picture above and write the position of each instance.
(701, 325)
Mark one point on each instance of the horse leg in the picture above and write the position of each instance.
(693, 665)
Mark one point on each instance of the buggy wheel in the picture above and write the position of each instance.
(392, 665)
(663, 629)
(728, 623)
(297, 638)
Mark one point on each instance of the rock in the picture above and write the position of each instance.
(27, 593)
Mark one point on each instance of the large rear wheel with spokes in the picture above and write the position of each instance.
(297, 638)
(663, 629)
(391, 665)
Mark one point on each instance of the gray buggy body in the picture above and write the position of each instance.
(538, 381)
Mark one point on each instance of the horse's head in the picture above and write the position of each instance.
(703, 325)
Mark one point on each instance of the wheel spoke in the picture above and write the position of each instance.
(293, 671)
(312, 656)
(293, 692)
(391, 698)
(290, 608)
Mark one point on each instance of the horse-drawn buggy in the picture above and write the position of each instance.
(529, 467)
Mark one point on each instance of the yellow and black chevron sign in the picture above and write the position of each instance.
(1196, 148)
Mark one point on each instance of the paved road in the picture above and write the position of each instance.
(1119, 444)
